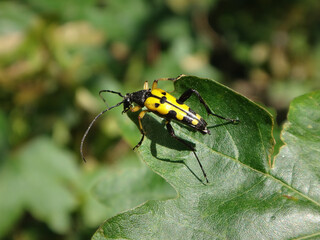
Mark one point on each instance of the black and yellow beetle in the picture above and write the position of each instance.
(166, 106)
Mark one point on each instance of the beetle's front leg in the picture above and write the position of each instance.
(141, 115)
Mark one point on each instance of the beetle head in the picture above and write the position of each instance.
(127, 102)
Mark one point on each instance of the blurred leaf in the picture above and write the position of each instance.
(282, 92)
(14, 17)
(93, 212)
(12, 198)
(129, 16)
(128, 184)
(170, 28)
(37, 179)
(299, 44)
(243, 200)
(54, 7)
(4, 132)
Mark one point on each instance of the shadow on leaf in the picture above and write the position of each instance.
(157, 133)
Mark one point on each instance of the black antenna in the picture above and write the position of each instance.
(110, 91)
(92, 122)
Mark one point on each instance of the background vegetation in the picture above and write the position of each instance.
(56, 55)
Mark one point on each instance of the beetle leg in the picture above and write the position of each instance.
(141, 115)
(135, 108)
(171, 132)
(155, 82)
(187, 94)
(170, 79)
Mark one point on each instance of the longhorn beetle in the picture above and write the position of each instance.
(166, 106)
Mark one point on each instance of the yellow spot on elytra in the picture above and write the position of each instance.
(180, 115)
(195, 121)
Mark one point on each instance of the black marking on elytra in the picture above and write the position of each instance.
(163, 100)
(179, 102)
(202, 124)
(187, 119)
(164, 93)
(156, 105)
(172, 114)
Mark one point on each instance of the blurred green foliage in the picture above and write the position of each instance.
(56, 55)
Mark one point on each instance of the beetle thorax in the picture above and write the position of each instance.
(139, 97)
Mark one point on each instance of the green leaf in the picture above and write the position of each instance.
(302, 137)
(37, 179)
(11, 200)
(246, 198)
(129, 183)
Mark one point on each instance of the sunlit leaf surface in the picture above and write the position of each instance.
(249, 196)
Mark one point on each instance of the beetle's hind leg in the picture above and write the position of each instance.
(171, 132)
(187, 94)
